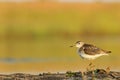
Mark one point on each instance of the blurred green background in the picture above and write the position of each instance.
(36, 36)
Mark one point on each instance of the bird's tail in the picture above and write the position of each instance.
(108, 51)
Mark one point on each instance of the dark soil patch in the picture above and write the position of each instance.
(98, 74)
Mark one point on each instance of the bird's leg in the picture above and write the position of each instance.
(108, 70)
(90, 66)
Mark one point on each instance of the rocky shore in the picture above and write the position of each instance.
(98, 74)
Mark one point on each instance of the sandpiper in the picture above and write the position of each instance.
(89, 51)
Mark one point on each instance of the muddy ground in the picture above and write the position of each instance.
(98, 74)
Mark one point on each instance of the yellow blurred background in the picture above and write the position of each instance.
(35, 36)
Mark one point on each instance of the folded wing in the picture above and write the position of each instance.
(91, 49)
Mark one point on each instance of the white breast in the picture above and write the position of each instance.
(90, 57)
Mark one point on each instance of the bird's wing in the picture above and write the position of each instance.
(91, 49)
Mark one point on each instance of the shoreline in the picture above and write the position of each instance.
(69, 75)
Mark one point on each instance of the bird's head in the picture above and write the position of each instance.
(78, 44)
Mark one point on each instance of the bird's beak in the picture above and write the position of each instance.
(72, 45)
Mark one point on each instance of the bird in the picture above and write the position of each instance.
(89, 51)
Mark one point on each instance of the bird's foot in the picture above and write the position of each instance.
(108, 70)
